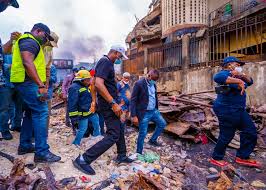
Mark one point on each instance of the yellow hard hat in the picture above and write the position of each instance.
(83, 74)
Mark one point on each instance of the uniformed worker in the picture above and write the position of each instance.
(230, 108)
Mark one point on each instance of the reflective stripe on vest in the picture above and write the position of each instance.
(83, 90)
(18, 72)
(76, 113)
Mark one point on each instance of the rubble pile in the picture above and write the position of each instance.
(169, 167)
(18, 179)
(191, 116)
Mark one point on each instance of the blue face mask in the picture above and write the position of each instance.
(118, 61)
(152, 82)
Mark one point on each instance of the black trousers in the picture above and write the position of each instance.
(114, 135)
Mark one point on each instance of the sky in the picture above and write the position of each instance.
(87, 28)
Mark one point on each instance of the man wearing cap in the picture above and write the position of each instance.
(111, 111)
(28, 74)
(81, 106)
(230, 108)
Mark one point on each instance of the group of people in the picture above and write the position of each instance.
(95, 94)
(97, 102)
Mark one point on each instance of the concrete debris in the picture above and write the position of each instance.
(190, 115)
(170, 167)
(258, 184)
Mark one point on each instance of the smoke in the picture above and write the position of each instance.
(79, 48)
(74, 42)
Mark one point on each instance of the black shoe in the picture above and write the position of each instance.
(48, 158)
(154, 143)
(22, 151)
(83, 166)
(7, 135)
(123, 159)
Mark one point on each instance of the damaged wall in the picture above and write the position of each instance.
(196, 80)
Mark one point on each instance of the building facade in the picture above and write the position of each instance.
(179, 14)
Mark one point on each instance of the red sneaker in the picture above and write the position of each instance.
(220, 163)
(248, 162)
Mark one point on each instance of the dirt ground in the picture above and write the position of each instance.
(175, 155)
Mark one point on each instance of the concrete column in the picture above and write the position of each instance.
(185, 62)
(185, 52)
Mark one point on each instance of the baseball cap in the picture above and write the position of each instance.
(46, 29)
(231, 59)
(55, 41)
(14, 3)
(126, 74)
(120, 49)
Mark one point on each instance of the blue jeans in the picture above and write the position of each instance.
(5, 101)
(83, 126)
(156, 117)
(35, 119)
(15, 110)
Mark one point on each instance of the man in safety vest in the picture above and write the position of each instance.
(28, 74)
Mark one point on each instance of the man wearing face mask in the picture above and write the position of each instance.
(110, 110)
(230, 108)
(144, 108)
(28, 74)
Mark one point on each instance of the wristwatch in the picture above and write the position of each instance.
(113, 102)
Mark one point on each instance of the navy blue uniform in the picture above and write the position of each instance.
(79, 101)
(232, 115)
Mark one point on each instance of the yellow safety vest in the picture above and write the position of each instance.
(18, 70)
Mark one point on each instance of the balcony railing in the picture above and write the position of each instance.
(233, 9)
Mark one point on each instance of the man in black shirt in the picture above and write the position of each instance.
(111, 111)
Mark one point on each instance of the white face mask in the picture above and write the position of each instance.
(239, 69)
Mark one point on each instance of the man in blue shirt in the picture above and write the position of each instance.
(144, 108)
(230, 109)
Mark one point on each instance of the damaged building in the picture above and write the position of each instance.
(187, 40)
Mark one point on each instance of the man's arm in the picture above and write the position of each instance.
(101, 88)
(239, 82)
(30, 68)
(93, 95)
(48, 73)
(73, 96)
(7, 47)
